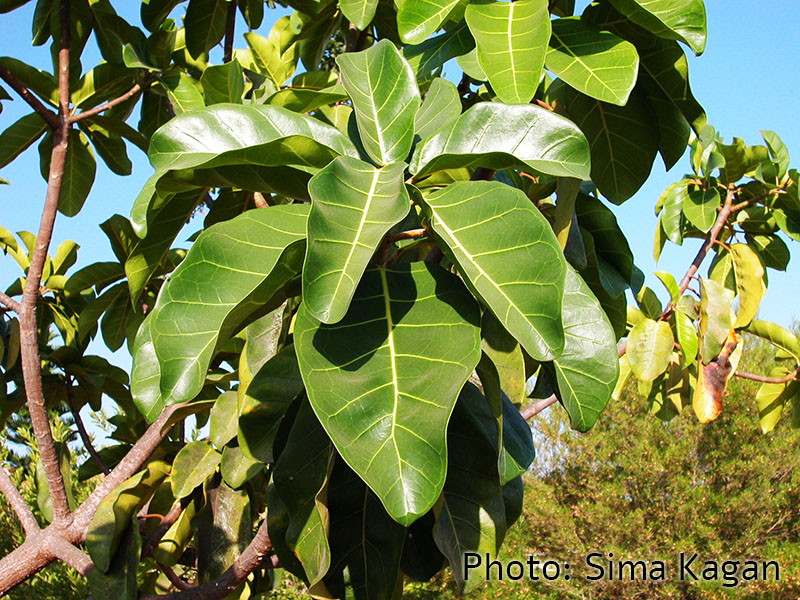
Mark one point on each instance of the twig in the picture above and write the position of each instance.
(17, 502)
(543, 104)
(87, 441)
(110, 104)
(749, 201)
(161, 529)
(752, 376)
(230, 25)
(535, 408)
(411, 234)
(173, 576)
(10, 303)
(48, 115)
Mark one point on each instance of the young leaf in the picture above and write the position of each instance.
(383, 398)
(353, 206)
(686, 336)
(777, 336)
(359, 12)
(520, 277)
(700, 208)
(511, 38)
(385, 98)
(224, 419)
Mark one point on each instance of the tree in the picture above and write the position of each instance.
(365, 252)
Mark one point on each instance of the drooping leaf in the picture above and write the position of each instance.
(506, 354)
(224, 530)
(385, 98)
(749, 282)
(587, 369)
(683, 20)
(79, 171)
(610, 243)
(242, 264)
(594, 62)
(19, 136)
(520, 277)
(517, 451)
(224, 419)
(353, 206)
(195, 462)
(110, 147)
(119, 579)
(650, 348)
(672, 219)
(715, 318)
(771, 399)
(686, 336)
(205, 25)
(771, 249)
(383, 398)
(498, 136)
(511, 39)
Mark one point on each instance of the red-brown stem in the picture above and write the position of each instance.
(396, 237)
(173, 576)
(17, 502)
(87, 441)
(230, 25)
(161, 529)
(110, 104)
(248, 561)
(48, 115)
(10, 303)
(535, 408)
(752, 376)
(543, 104)
(29, 343)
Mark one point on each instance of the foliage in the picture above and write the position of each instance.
(375, 235)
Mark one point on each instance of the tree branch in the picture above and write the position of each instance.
(161, 529)
(535, 408)
(383, 252)
(74, 557)
(754, 377)
(87, 441)
(173, 577)
(17, 502)
(230, 25)
(48, 115)
(29, 342)
(110, 104)
(248, 561)
(10, 303)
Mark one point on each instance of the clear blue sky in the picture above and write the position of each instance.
(748, 79)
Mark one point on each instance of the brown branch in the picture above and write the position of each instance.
(92, 112)
(10, 303)
(48, 115)
(535, 408)
(75, 558)
(248, 561)
(17, 502)
(173, 576)
(230, 26)
(752, 376)
(749, 201)
(543, 104)
(161, 529)
(87, 441)
(29, 343)
(383, 252)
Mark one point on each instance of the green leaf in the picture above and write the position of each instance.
(115, 323)
(670, 284)
(777, 336)
(715, 318)
(19, 136)
(274, 56)
(594, 62)
(506, 355)
(79, 171)
(44, 84)
(119, 580)
(301, 477)
(43, 500)
(110, 147)
(587, 369)
(184, 92)
(520, 277)
(195, 463)
(369, 375)
(434, 52)
(224, 530)
(385, 98)
(359, 12)
(498, 136)
(511, 38)
(417, 20)
(442, 106)
(113, 516)
(686, 336)
(683, 20)
(517, 452)
(611, 244)
(650, 348)
(265, 403)
(223, 83)
(749, 282)
(772, 397)
(364, 540)
(224, 419)
(672, 219)
(243, 263)
(773, 250)
(237, 468)
(700, 208)
(623, 142)
(205, 25)
(472, 514)
(469, 64)
(104, 82)
(304, 100)
(777, 151)
(353, 206)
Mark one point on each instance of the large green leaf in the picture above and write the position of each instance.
(511, 38)
(353, 206)
(419, 19)
(385, 97)
(384, 398)
(776, 335)
(205, 25)
(506, 250)
(241, 264)
(223, 83)
(700, 207)
(434, 52)
(650, 348)
(195, 463)
(19, 136)
(499, 136)
(610, 243)
(364, 540)
(301, 476)
(587, 369)
(442, 106)
(359, 12)
(683, 20)
(623, 142)
(772, 397)
(593, 61)
(472, 516)
(79, 171)
(506, 354)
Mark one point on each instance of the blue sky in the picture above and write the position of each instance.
(747, 80)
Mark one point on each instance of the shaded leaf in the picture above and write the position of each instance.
(195, 463)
